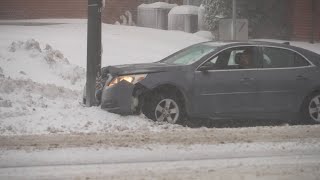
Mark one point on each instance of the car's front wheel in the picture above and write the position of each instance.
(311, 109)
(164, 108)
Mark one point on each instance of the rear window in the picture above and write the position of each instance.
(282, 58)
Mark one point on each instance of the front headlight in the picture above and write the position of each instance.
(133, 79)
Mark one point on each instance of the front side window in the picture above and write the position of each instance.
(234, 58)
(282, 58)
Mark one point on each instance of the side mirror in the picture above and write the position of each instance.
(205, 68)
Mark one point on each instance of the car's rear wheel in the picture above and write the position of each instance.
(311, 109)
(162, 107)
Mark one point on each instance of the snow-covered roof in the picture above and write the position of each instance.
(156, 5)
(185, 9)
(202, 7)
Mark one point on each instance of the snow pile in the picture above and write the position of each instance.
(185, 9)
(26, 60)
(23, 97)
(158, 5)
(204, 34)
(27, 107)
(121, 44)
(40, 93)
(40, 89)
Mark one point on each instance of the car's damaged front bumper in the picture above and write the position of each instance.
(120, 98)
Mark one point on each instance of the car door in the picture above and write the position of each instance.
(225, 90)
(282, 81)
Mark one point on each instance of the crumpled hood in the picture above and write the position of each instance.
(140, 68)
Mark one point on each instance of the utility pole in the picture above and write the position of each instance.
(234, 20)
(93, 49)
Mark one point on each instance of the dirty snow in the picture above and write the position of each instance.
(155, 153)
(266, 160)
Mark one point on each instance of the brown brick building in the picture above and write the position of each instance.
(304, 16)
(43, 9)
(305, 19)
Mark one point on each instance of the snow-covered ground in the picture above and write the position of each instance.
(42, 71)
(121, 44)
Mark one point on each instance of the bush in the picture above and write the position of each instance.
(215, 10)
(267, 19)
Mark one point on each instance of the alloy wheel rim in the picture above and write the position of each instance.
(314, 108)
(167, 110)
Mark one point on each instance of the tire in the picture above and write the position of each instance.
(311, 109)
(161, 107)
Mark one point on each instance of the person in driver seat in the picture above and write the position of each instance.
(246, 59)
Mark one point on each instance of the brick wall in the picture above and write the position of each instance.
(115, 8)
(318, 20)
(41, 9)
(35, 9)
(302, 20)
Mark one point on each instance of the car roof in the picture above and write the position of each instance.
(285, 44)
(249, 43)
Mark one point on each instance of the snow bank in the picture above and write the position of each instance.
(40, 86)
(139, 44)
(157, 5)
(185, 9)
(23, 97)
(40, 93)
(27, 107)
(26, 60)
(205, 34)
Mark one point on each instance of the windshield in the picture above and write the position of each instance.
(190, 55)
